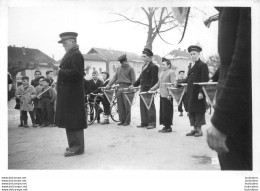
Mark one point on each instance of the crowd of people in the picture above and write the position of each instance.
(38, 99)
(230, 133)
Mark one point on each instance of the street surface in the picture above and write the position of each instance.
(111, 146)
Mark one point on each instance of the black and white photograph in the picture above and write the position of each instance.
(130, 95)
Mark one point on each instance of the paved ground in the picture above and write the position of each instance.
(110, 146)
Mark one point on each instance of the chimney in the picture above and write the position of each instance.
(23, 50)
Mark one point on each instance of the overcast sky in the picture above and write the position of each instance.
(39, 27)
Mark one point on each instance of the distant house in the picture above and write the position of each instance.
(180, 59)
(24, 61)
(106, 60)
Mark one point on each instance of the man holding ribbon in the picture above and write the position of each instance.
(147, 79)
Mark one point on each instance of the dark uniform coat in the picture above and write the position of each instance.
(233, 109)
(148, 78)
(198, 73)
(92, 87)
(70, 112)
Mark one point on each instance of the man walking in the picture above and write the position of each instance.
(147, 79)
(125, 76)
(70, 112)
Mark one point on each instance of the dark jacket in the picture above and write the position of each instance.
(70, 112)
(91, 86)
(215, 77)
(35, 82)
(233, 109)
(198, 73)
(148, 78)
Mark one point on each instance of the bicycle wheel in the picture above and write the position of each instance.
(114, 112)
(91, 113)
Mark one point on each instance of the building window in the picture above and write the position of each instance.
(100, 70)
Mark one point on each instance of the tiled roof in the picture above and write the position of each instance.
(178, 53)
(27, 55)
(112, 55)
(93, 57)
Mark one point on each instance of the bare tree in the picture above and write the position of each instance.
(158, 21)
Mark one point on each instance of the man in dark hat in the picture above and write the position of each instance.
(147, 79)
(70, 95)
(196, 99)
(125, 77)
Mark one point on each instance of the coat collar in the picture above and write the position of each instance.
(191, 69)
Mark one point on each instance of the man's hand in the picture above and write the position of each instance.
(107, 87)
(131, 87)
(216, 140)
(200, 96)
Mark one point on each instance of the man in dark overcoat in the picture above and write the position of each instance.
(70, 111)
(147, 79)
(196, 99)
(230, 134)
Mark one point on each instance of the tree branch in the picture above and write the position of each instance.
(131, 19)
(168, 29)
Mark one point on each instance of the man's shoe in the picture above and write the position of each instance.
(141, 126)
(198, 134)
(126, 124)
(192, 133)
(70, 153)
(35, 125)
(150, 127)
(21, 125)
(168, 130)
(163, 129)
(25, 126)
(106, 121)
(44, 125)
(121, 123)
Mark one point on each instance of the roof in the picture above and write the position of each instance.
(112, 55)
(179, 53)
(93, 57)
(27, 55)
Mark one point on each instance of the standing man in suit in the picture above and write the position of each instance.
(196, 99)
(230, 133)
(183, 100)
(147, 79)
(70, 112)
(125, 77)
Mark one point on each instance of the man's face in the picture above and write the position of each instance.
(146, 58)
(41, 82)
(195, 55)
(104, 76)
(181, 75)
(45, 84)
(50, 75)
(94, 76)
(25, 82)
(164, 65)
(68, 44)
(37, 75)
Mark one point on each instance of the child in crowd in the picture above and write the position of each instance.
(26, 93)
(49, 76)
(38, 102)
(47, 104)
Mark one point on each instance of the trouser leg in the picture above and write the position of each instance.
(127, 110)
(38, 116)
(50, 112)
(152, 115)
(31, 113)
(167, 112)
(121, 107)
(75, 140)
(44, 111)
(24, 117)
(143, 111)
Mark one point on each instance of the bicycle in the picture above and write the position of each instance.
(93, 108)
